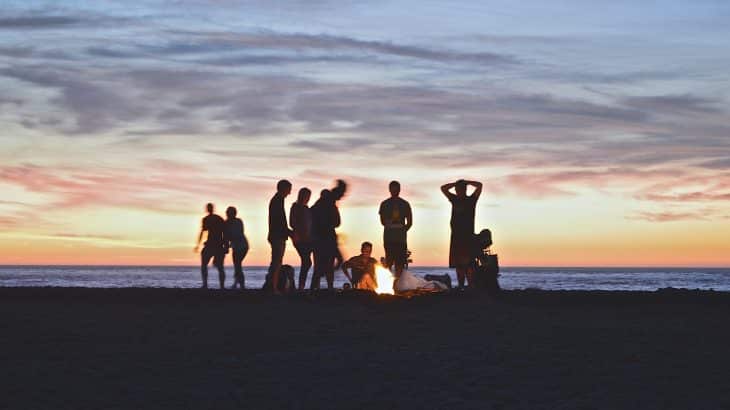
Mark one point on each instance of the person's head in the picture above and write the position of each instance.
(283, 187)
(231, 212)
(325, 195)
(460, 188)
(209, 207)
(366, 249)
(394, 188)
(303, 196)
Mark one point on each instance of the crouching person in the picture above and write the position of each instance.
(361, 268)
(285, 279)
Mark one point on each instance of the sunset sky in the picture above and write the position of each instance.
(599, 129)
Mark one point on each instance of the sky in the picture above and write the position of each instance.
(599, 129)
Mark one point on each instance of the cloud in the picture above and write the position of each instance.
(674, 104)
(547, 184)
(166, 186)
(687, 197)
(669, 216)
(333, 145)
(39, 22)
(227, 41)
(719, 164)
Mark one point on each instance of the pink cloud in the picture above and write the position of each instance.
(164, 190)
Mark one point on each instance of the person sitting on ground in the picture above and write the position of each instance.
(362, 268)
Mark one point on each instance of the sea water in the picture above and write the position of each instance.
(510, 278)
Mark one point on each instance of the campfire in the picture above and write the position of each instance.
(384, 279)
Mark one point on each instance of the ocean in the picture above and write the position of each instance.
(635, 279)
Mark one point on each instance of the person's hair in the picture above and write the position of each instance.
(339, 190)
(394, 184)
(366, 244)
(304, 192)
(282, 185)
(210, 207)
(231, 212)
(460, 184)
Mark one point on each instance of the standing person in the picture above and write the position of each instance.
(325, 218)
(397, 219)
(236, 240)
(214, 246)
(279, 231)
(463, 209)
(338, 192)
(300, 219)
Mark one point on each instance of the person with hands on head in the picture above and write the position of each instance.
(463, 210)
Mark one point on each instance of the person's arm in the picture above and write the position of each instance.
(337, 220)
(446, 189)
(345, 266)
(200, 238)
(293, 218)
(409, 217)
(381, 212)
(478, 190)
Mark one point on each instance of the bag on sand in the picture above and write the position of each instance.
(486, 273)
(445, 279)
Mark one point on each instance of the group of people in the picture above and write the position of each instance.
(313, 234)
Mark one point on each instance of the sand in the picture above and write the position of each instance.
(168, 348)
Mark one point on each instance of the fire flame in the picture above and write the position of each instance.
(384, 279)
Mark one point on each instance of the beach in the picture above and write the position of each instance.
(73, 348)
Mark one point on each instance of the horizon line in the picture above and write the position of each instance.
(415, 266)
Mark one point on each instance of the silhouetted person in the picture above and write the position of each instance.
(279, 230)
(214, 247)
(463, 209)
(338, 192)
(325, 218)
(300, 219)
(362, 268)
(397, 219)
(236, 238)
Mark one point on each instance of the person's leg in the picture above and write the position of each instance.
(218, 262)
(317, 272)
(277, 257)
(205, 256)
(305, 256)
(461, 275)
(399, 258)
(238, 270)
(330, 267)
(388, 256)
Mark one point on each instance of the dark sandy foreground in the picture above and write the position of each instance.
(192, 349)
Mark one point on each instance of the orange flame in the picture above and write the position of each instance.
(384, 279)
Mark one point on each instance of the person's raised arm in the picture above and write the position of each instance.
(478, 190)
(446, 189)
